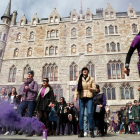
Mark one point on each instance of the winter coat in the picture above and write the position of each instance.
(125, 115)
(48, 97)
(52, 115)
(88, 83)
(116, 118)
(31, 93)
(135, 113)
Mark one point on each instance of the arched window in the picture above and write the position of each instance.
(46, 51)
(73, 49)
(51, 50)
(88, 31)
(73, 32)
(51, 19)
(106, 14)
(1, 52)
(113, 47)
(32, 35)
(116, 29)
(118, 47)
(111, 29)
(56, 19)
(48, 34)
(126, 91)
(4, 37)
(21, 23)
(88, 16)
(16, 51)
(89, 48)
(109, 92)
(56, 50)
(25, 71)
(29, 53)
(57, 33)
(52, 34)
(107, 47)
(18, 36)
(0, 35)
(91, 69)
(74, 17)
(58, 91)
(50, 71)
(106, 30)
(112, 15)
(12, 74)
(115, 70)
(73, 72)
(134, 28)
(34, 21)
(131, 13)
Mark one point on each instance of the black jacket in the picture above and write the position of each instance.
(48, 97)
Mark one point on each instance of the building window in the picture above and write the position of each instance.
(1, 52)
(112, 15)
(19, 36)
(46, 51)
(4, 37)
(31, 36)
(111, 29)
(126, 91)
(107, 47)
(89, 48)
(25, 72)
(109, 92)
(56, 50)
(106, 14)
(52, 34)
(51, 19)
(29, 53)
(113, 46)
(57, 33)
(34, 21)
(73, 32)
(88, 31)
(134, 28)
(73, 49)
(51, 50)
(131, 13)
(74, 17)
(91, 69)
(0, 35)
(115, 70)
(106, 30)
(116, 29)
(21, 23)
(16, 51)
(73, 72)
(88, 16)
(50, 71)
(118, 47)
(12, 74)
(56, 19)
(48, 34)
(58, 91)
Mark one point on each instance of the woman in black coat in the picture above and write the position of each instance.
(44, 100)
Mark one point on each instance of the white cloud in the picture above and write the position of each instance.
(44, 7)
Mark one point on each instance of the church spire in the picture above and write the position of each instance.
(81, 11)
(7, 11)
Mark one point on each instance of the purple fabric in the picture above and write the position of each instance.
(26, 83)
(136, 44)
(104, 100)
(42, 92)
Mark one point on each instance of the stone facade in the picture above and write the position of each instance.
(98, 39)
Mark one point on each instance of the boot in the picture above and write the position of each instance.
(92, 133)
(54, 132)
(81, 133)
(50, 133)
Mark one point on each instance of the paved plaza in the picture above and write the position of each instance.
(73, 137)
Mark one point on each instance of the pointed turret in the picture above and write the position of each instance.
(7, 11)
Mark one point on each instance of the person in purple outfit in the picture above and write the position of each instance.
(99, 99)
(135, 45)
(29, 92)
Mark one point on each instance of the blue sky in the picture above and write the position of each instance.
(44, 7)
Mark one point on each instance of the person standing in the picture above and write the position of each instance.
(99, 101)
(29, 92)
(85, 90)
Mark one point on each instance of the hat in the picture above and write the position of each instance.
(85, 68)
(31, 72)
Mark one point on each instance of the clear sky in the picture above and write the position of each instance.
(44, 7)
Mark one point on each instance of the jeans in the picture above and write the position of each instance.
(31, 105)
(85, 120)
(121, 126)
(82, 104)
(137, 126)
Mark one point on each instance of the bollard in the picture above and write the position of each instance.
(44, 134)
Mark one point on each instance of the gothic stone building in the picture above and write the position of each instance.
(58, 47)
